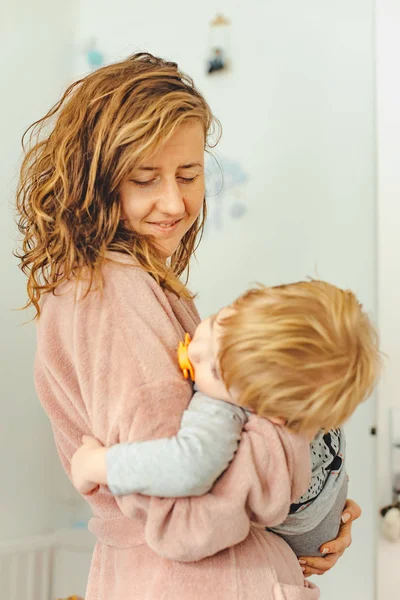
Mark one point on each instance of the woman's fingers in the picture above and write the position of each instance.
(321, 563)
(351, 512)
(340, 544)
(308, 571)
(332, 550)
(318, 565)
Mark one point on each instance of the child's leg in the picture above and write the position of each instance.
(308, 544)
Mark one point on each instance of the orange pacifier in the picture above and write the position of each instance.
(183, 358)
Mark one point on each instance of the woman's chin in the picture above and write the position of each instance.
(167, 247)
(167, 250)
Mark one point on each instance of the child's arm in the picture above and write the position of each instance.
(187, 464)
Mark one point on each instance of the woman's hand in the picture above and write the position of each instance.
(88, 465)
(333, 550)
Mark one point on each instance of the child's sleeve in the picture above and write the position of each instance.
(270, 469)
(187, 464)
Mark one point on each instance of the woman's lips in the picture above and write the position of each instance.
(165, 227)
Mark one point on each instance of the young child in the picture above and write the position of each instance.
(303, 355)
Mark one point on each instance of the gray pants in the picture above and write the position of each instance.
(308, 544)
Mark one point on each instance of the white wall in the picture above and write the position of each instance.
(298, 113)
(35, 61)
(308, 142)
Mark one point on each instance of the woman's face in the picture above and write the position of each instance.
(163, 196)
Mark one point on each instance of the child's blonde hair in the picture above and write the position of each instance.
(306, 352)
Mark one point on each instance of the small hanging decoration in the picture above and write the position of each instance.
(227, 185)
(94, 57)
(391, 522)
(219, 45)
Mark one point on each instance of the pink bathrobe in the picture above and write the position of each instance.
(106, 365)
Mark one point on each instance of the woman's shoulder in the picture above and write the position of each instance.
(120, 277)
(121, 272)
(126, 281)
(126, 308)
(126, 300)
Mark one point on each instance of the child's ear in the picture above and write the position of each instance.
(277, 420)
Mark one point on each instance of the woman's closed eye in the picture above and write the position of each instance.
(187, 179)
(143, 183)
(149, 182)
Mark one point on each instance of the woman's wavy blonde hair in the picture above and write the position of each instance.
(80, 152)
(305, 352)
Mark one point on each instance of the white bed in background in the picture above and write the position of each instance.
(46, 567)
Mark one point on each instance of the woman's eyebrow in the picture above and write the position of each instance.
(185, 166)
(190, 166)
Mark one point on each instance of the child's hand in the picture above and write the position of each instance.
(88, 467)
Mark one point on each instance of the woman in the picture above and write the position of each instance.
(111, 205)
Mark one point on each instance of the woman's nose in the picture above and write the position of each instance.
(171, 201)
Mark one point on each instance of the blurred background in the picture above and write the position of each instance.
(308, 94)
